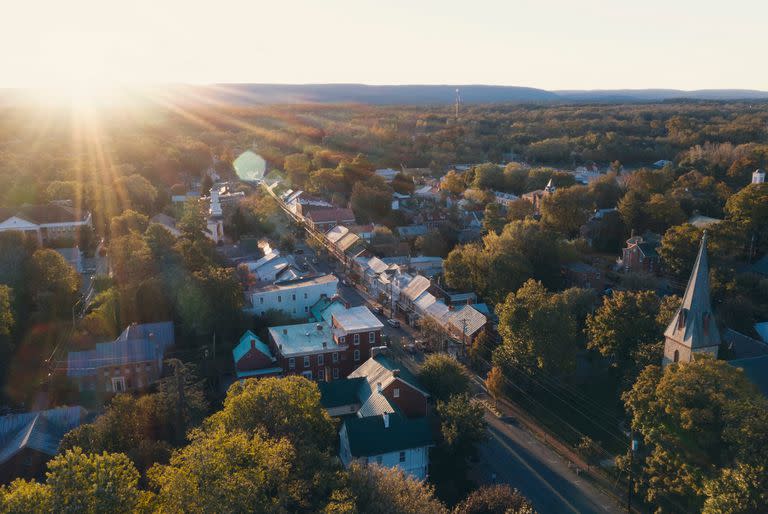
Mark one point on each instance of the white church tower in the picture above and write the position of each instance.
(693, 329)
(758, 177)
(215, 218)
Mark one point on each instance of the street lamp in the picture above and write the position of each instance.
(632, 449)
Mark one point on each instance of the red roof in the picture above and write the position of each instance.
(326, 215)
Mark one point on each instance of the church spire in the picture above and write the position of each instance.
(693, 327)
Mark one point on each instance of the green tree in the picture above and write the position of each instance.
(698, 420)
(444, 376)
(229, 471)
(462, 427)
(131, 426)
(493, 218)
(749, 208)
(432, 244)
(7, 320)
(453, 183)
(488, 176)
(538, 330)
(127, 222)
(495, 499)
(281, 407)
(140, 193)
(632, 211)
(567, 210)
(81, 482)
(25, 497)
(52, 282)
(605, 191)
(520, 210)
(131, 259)
(297, 166)
(403, 184)
(623, 325)
(371, 201)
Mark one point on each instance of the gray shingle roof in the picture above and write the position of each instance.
(40, 430)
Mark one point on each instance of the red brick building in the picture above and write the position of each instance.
(326, 350)
(640, 255)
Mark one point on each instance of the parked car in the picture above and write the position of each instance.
(410, 348)
(380, 310)
(393, 323)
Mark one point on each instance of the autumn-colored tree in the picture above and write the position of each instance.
(495, 383)
(495, 499)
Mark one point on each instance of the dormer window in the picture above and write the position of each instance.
(705, 323)
(681, 318)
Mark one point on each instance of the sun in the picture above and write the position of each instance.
(81, 71)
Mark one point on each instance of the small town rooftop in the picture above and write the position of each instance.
(356, 319)
(303, 339)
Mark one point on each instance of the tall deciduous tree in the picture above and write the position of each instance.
(703, 423)
(567, 209)
(444, 376)
(495, 499)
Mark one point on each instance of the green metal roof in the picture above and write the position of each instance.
(368, 436)
(340, 392)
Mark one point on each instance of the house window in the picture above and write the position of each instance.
(279, 298)
(335, 357)
(677, 356)
(320, 359)
(396, 392)
(335, 372)
(371, 337)
(356, 355)
(306, 309)
(357, 338)
(342, 339)
(321, 374)
(292, 363)
(402, 456)
(118, 384)
(307, 374)
(293, 297)
(261, 300)
(306, 361)
(305, 296)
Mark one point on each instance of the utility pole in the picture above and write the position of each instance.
(458, 102)
(632, 450)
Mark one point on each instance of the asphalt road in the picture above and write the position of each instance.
(513, 454)
(520, 460)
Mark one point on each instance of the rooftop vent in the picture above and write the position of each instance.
(319, 327)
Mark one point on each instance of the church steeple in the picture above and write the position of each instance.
(693, 328)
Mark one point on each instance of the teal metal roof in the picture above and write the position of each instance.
(368, 436)
(259, 372)
(245, 344)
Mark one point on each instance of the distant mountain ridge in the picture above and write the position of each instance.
(446, 94)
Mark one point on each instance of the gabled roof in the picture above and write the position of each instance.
(41, 430)
(338, 393)
(381, 369)
(415, 287)
(327, 215)
(694, 325)
(741, 346)
(137, 343)
(324, 308)
(244, 346)
(469, 318)
(368, 436)
(377, 265)
(50, 213)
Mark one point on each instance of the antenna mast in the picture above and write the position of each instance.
(458, 102)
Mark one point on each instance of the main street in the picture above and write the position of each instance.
(511, 454)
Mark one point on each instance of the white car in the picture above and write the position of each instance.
(393, 323)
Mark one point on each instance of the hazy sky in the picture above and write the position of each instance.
(552, 44)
